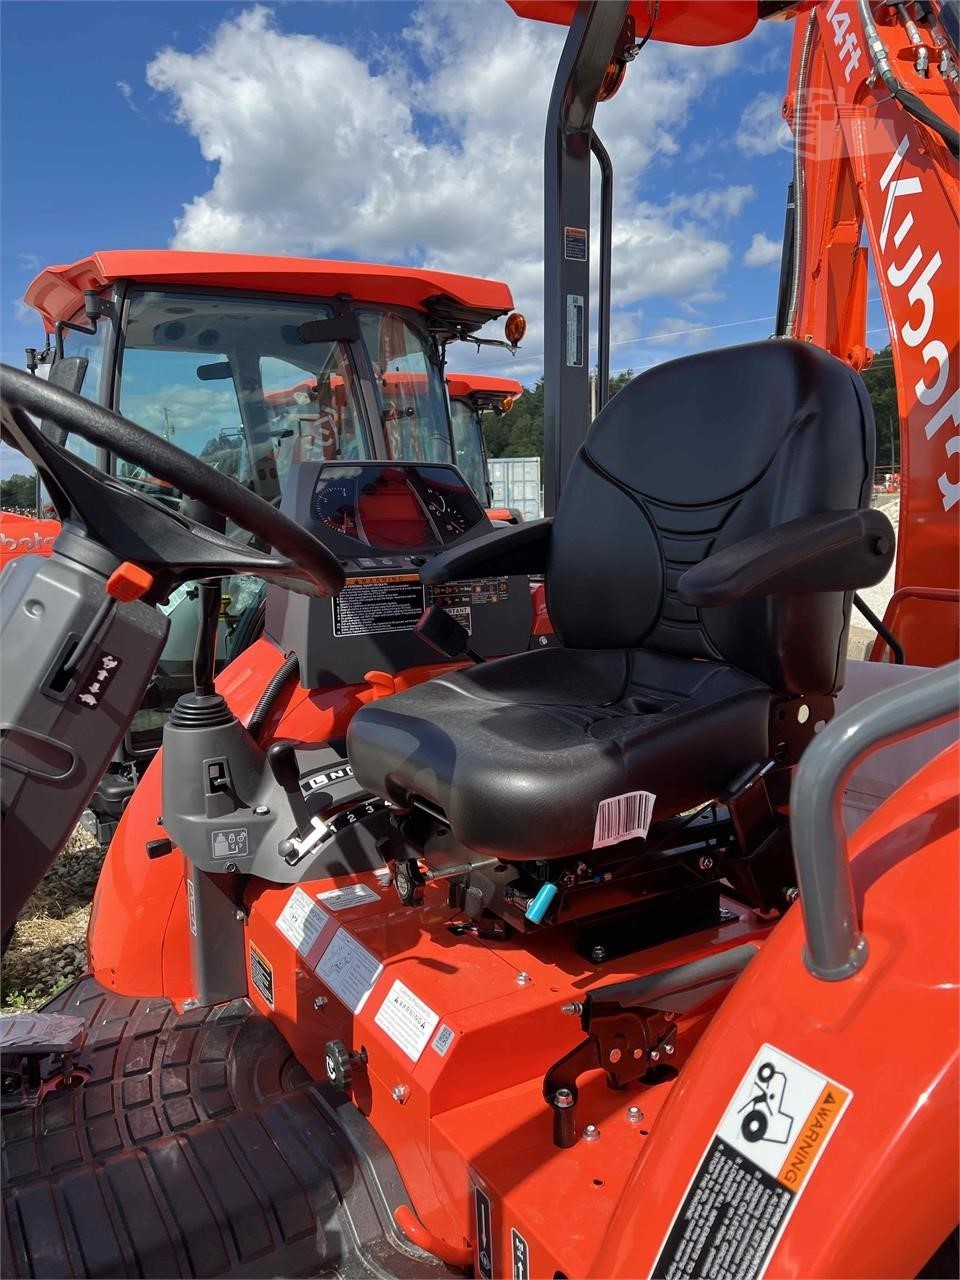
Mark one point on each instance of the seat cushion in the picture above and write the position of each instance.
(519, 753)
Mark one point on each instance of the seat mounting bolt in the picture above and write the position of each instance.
(634, 1115)
(591, 1133)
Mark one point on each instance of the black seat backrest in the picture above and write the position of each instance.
(691, 457)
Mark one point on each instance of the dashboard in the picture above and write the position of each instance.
(395, 508)
(384, 521)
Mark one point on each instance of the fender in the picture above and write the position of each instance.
(890, 1035)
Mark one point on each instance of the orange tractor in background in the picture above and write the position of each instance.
(420, 953)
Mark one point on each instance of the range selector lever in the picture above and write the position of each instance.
(282, 759)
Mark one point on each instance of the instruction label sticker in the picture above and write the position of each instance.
(346, 896)
(349, 970)
(483, 1234)
(575, 244)
(574, 330)
(407, 1020)
(371, 606)
(520, 1252)
(301, 921)
(753, 1172)
(232, 842)
(261, 975)
(470, 591)
(623, 817)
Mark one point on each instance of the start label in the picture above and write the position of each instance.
(754, 1171)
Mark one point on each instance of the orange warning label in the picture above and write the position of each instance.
(814, 1132)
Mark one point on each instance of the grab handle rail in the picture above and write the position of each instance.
(836, 947)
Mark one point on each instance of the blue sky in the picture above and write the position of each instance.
(393, 131)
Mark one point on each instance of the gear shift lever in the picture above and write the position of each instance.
(282, 759)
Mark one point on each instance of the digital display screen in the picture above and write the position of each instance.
(395, 506)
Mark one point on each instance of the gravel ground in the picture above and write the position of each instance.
(48, 947)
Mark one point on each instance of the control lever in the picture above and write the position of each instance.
(445, 634)
(282, 759)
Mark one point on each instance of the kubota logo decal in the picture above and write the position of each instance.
(938, 389)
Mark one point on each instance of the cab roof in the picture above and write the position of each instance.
(695, 22)
(463, 385)
(57, 292)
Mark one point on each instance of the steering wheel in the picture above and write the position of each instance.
(138, 528)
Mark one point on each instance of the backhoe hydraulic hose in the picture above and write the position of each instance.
(268, 698)
(799, 186)
(909, 101)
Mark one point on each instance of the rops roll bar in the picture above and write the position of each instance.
(836, 947)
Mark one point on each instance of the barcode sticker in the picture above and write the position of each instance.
(623, 818)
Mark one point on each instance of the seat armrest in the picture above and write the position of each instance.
(831, 551)
(519, 548)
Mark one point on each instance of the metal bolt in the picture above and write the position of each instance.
(238, 915)
(669, 1050)
(655, 1055)
(523, 979)
(563, 1099)
(401, 1093)
(160, 821)
(598, 954)
(638, 1054)
(634, 1115)
(261, 810)
(320, 1002)
(669, 1016)
(615, 1055)
(792, 894)
(575, 1008)
(705, 863)
(231, 866)
(591, 1133)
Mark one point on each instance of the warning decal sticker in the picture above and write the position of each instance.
(370, 606)
(261, 975)
(346, 896)
(406, 1020)
(753, 1172)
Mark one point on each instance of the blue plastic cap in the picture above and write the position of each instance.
(541, 904)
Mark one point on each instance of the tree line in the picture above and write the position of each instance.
(519, 434)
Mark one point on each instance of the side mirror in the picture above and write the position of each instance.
(69, 373)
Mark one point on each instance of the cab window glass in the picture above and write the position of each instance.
(315, 415)
(91, 346)
(468, 447)
(412, 398)
(207, 372)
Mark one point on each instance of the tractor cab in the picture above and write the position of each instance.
(254, 365)
(471, 396)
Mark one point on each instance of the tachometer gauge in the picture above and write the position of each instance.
(449, 521)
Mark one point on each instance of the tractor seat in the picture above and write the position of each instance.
(727, 467)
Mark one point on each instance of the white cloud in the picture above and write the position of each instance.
(323, 151)
(761, 130)
(763, 251)
(127, 94)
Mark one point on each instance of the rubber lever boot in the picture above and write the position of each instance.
(282, 759)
